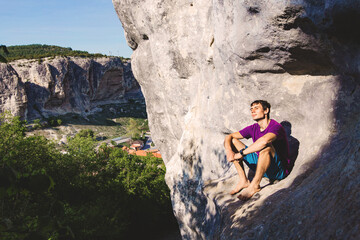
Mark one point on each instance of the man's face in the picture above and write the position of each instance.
(257, 111)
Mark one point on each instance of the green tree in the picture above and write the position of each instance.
(25, 184)
(136, 128)
(82, 147)
(37, 123)
(79, 194)
(133, 128)
(85, 133)
(5, 50)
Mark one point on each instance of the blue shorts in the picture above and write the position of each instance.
(275, 171)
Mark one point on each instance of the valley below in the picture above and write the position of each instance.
(64, 172)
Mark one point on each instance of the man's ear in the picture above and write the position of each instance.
(266, 111)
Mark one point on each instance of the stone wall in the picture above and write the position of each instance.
(201, 63)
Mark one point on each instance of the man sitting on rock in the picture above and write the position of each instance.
(267, 156)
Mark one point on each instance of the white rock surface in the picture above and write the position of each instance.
(63, 85)
(12, 91)
(201, 63)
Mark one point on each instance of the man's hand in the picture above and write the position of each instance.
(238, 156)
(230, 156)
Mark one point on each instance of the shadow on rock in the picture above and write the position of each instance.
(294, 144)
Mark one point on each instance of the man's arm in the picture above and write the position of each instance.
(227, 143)
(261, 143)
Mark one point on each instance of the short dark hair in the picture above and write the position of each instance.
(264, 104)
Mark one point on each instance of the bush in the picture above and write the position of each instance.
(136, 128)
(53, 122)
(37, 123)
(84, 133)
(26, 181)
(83, 194)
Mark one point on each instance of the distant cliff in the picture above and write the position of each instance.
(59, 85)
(201, 63)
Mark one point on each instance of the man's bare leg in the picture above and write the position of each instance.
(244, 182)
(261, 167)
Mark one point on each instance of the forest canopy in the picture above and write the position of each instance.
(77, 192)
(38, 51)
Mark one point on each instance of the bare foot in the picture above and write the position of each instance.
(239, 186)
(248, 192)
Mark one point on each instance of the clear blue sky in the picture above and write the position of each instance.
(88, 25)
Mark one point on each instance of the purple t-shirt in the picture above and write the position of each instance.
(281, 144)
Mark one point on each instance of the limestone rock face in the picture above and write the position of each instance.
(201, 63)
(12, 91)
(69, 85)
